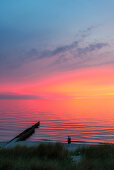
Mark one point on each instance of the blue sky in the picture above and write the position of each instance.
(39, 37)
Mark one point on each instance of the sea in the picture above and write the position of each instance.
(84, 121)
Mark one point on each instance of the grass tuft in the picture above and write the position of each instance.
(99, 157)
(43, 157)
(52, 151)
(55, 157)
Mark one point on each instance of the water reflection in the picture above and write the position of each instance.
(86, 120)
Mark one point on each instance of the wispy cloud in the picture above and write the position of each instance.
(62, 58)
(60, 51)
(91, 47)
(18, 57)
(18, 96)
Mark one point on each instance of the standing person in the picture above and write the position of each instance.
(69, 140)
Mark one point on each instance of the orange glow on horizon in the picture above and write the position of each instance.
(84, 83)
(91, 82)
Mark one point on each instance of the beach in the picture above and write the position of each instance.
(72, 147)
(29, 155)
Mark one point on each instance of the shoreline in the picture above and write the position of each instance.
(72, 147)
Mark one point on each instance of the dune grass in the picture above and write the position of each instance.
(57, 157)
(43, 157)
(99, 157)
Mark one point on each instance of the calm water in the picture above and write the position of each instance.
(59, 118)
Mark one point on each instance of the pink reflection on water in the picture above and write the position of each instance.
(91, 121)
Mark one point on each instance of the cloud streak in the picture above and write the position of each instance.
(18, 57)
(18, 96)
(91, 47)
(42, 62)
(61, 50)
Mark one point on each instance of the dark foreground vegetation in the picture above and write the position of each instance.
(56, 157)
(43, 157)
(100, 157)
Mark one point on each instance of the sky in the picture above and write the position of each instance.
(56, 49)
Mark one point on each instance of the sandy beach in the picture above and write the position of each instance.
(35, 143)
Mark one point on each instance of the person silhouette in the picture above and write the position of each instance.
(69, 140)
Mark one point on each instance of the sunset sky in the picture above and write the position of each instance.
(57, 49)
